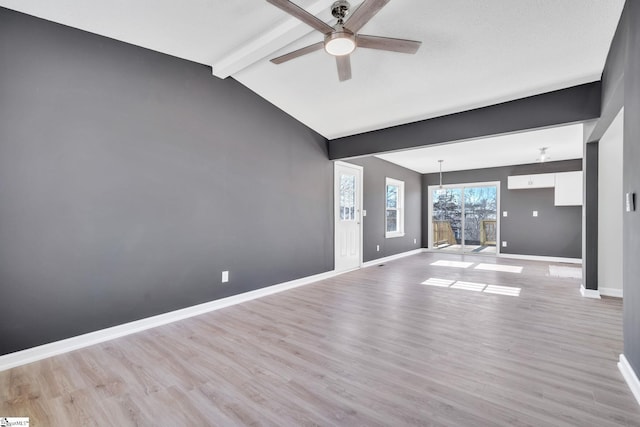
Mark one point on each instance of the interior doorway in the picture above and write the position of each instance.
(348, 216)
(464, 218)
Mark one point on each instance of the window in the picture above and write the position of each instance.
(347, 197)
(394, 215)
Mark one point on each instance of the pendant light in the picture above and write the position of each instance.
(440, 161)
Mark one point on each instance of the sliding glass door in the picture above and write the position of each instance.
(480, 219)
(464, 218)
(447, 218)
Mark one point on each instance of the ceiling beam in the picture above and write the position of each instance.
(273, 40)
(571, 105)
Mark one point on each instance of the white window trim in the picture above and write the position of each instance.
(400, 209)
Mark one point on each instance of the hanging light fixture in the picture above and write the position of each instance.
(440, 161)
(544, 157)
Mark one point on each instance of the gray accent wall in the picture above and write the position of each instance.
(590, 216)
(621, 89)
(556, 232)
(631, 183)
(374, 182)
(129, 180)
(613, 81)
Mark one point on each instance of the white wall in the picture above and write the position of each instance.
(610, 209)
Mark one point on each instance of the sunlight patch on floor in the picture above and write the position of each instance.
(501, 268)
(469, 286)
(442, 283)
(457, 264)
(511, 291)
(503, 290)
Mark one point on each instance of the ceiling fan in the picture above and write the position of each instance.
(343, 38)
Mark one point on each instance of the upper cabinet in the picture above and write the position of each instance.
(568, 190)
(567, 185)
(542, 180)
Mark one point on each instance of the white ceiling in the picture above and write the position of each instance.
(563, 143)
(474, 53)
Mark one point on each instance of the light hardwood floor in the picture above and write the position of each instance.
(370, 347)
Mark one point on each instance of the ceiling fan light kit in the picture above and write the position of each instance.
(544, 157)
(339, 43)
(343, 38)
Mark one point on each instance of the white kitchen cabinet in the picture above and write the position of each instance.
(541, 180)
(568, 189)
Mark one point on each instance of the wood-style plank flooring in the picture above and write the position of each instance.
(373, 347)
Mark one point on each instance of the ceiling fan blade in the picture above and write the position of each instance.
(344, 67)
(387, 43)
(296, 53)
(298, 12)
(363, 14)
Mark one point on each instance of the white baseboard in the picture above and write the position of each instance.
(33, 354)
(630, 377)
(610, 292)
(392, 257)
(589, 293)
(542, 258)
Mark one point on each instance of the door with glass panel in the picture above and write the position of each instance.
(464, 218)
(348, 233)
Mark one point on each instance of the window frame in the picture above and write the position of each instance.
(399, 232)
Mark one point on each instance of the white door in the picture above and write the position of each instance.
(348, 216)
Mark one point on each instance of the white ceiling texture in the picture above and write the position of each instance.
(473, 54)
(561, 143)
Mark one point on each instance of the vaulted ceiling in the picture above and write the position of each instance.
(473, 53)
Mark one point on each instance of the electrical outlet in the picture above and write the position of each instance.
(364, 212)
(535, 213)
(504, 243)
(377, 248)
(225, 276)
(505, 213)
(415, 241)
